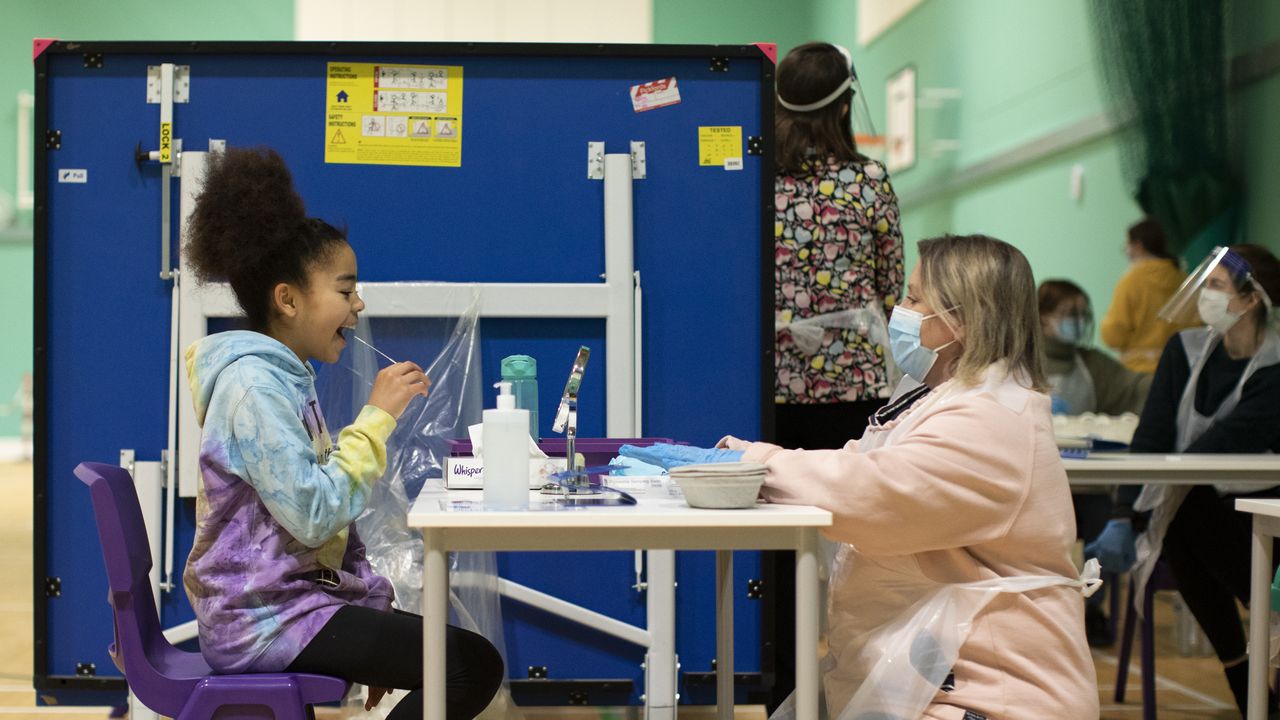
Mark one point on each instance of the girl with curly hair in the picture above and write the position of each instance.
(277, 574)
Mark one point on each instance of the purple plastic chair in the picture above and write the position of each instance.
(170, 681)
(1161, 579)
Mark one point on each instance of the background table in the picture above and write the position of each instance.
(1205, 469)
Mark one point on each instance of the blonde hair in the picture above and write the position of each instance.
(986, 286)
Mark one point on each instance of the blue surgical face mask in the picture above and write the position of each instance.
(915, 359)
(1071, 329)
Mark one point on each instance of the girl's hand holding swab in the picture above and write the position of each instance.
(396, 385)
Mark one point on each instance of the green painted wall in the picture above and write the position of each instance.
(785, 22)
(1023, 70)
(89, 20)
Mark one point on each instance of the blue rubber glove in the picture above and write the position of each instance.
(1058, 406)
(667, 456)
(1115, 547)
(631, 467)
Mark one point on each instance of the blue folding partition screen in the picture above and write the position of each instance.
(500, 194)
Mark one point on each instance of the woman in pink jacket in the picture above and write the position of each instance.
(953, 506)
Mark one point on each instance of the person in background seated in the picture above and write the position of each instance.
(1081, 378)
(1216, 390)
(1085, 380)
(1130, 325)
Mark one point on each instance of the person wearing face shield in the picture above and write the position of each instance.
(838, 271)
(953, 592)
(1215, 390)
(1081, 378)
(838, 254)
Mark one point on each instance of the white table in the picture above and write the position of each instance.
(1193, 469)
(1266, 527)
(1204, 469)
(454, 521)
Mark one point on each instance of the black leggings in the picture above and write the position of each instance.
(384, 649)
(1208, 547)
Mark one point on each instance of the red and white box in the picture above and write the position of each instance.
(656, 94)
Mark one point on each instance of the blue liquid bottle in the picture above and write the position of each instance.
(522, 372)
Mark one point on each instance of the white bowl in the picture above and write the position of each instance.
(720, 492)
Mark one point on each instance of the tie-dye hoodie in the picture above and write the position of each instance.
(278, 503)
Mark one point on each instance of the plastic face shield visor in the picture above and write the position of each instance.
(861, 115)
(1182, 308)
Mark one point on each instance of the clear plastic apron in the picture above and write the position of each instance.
(893, 633)
(867, 322)
(1075, 388)
(1164, 500)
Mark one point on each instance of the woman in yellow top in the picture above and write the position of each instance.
(1130, 325)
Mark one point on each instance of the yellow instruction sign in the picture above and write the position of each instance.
(720, 145)
(393, 114)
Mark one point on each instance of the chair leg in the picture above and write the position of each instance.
(1126, 644)
(1148, 655)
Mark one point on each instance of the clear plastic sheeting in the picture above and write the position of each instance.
(416, 455)
(889, 654)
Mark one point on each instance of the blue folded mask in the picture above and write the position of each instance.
(1071, 329)
(904, 343)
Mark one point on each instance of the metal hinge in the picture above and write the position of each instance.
(537, 672)
(93, 61)
(719, 64)
(595, 160)
(755, 145)
(181, 84)
(638, 166)
(53, 140)
(53, 587)
(755, 589)
(86, 669)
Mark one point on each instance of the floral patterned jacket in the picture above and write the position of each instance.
(838, 246)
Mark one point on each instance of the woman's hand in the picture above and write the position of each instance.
(396, 385)
(375, 695)
(730, 442)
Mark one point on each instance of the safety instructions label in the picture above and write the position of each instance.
(393, 114)
(721, 146)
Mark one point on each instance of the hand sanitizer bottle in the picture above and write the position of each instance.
(506, 454)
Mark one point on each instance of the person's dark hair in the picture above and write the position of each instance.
(807, 74)
(250, 229)
(1265, 270)
(1052, 293)
(1150, 235)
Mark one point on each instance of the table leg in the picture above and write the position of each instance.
(807, 609)
(661, 660)
(724, 635)
(435, 618)
(1259, 621)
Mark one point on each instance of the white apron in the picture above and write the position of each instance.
(1075, 389)
(894, 636)
(1164, 500)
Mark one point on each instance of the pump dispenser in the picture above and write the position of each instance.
(506, 453)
